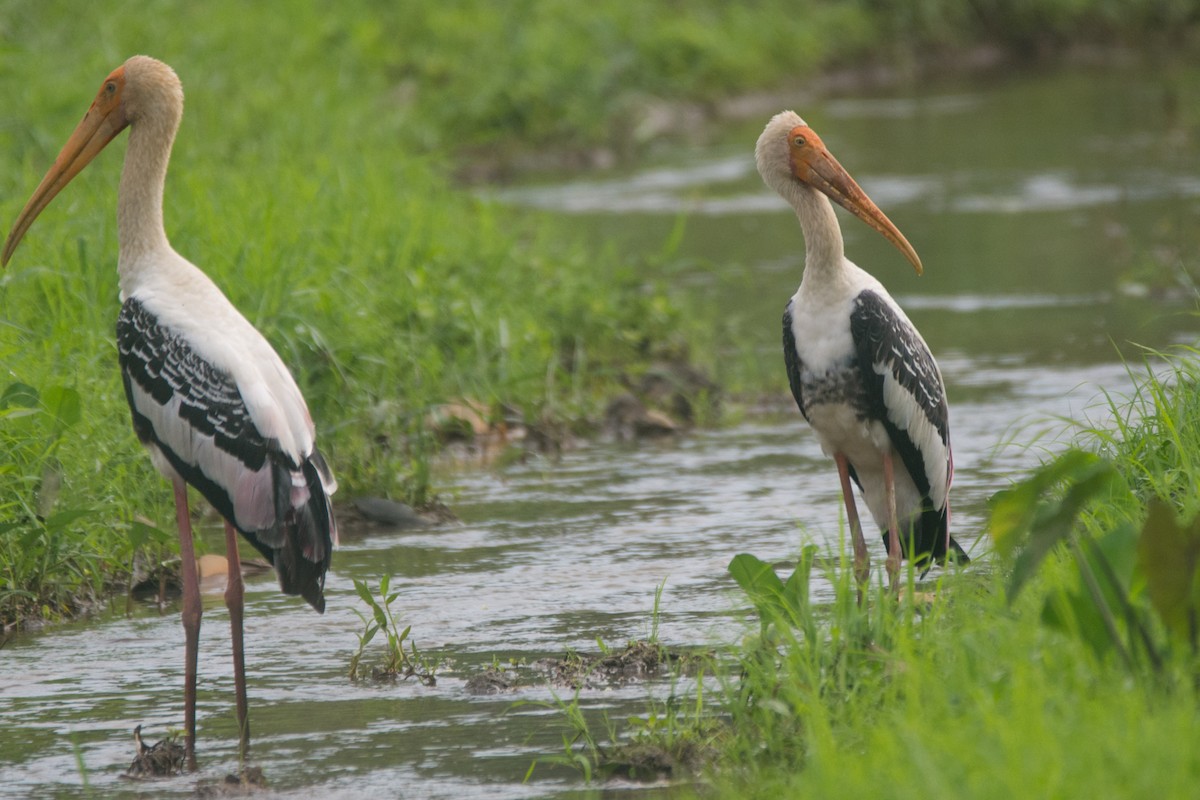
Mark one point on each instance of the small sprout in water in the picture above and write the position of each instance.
(400, 663)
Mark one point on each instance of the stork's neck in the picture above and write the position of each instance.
(140, 231)
(824, 251)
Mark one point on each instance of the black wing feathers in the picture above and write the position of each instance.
(164, 366)
(884, 341)
(791, 358)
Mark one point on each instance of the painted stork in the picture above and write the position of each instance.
(210, 398)
(860, 372)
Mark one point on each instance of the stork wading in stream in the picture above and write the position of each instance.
(210, 398)
(860, 372)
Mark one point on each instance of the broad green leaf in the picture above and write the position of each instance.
(795, 591)
(1075, 610)
(1072, 611)
(1048, 522)
(27, 540)
(138, 535)
(757, 578)
(1014, 510)
(760, 583)
(56, 522)
(1168, 555)
(1117, 549)
(364, 593)
(63, 404)
(19, 395)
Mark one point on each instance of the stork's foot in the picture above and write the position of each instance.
(862, 573)
(893, 572)
(919, 599)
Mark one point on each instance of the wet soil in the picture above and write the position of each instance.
(638, 661)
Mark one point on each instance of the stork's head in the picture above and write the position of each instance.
(152, 91)
(143, 90)
(790, 155)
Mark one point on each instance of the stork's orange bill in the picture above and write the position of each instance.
(99, 126)
(815, 165)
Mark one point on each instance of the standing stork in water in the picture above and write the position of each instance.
(859, 370)
(211, 400)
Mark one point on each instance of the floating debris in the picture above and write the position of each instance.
(162, 759)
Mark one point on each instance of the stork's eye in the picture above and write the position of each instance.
(799, 141)
(110, 87)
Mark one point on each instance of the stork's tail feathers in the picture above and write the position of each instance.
(302, 543)
(930, 542)
(956, 555)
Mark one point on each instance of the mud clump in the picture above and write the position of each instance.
(250, 781)
(639, 661)
(492, 681)
(669, 398)
(649, 761)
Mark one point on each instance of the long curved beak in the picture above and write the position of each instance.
(99, 126)
(825, 174)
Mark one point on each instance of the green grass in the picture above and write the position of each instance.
(970, 699)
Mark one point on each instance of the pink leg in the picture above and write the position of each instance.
(191, 618)
(862, 559)
(893, 558)
(234, 601)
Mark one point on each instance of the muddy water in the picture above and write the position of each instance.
(1038, 204)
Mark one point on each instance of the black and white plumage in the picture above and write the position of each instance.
(193, 419)
(210, 399)
(860, 372)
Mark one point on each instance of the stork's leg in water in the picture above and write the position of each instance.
(894, 549)
(191, 618)
(862, 559)
(234, 601)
